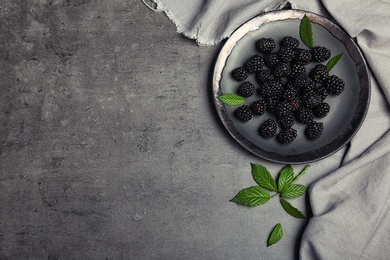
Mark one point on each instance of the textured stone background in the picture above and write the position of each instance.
(109, 144)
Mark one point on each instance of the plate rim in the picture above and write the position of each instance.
(361, 69)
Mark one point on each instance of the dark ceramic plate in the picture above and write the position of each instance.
(348, 110)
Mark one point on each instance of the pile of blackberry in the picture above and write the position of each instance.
(286, 89)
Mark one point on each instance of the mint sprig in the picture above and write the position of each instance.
(306, 32)
(333, 61)
(285, 188)
(231, 99)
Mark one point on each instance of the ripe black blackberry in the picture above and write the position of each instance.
(310, 99)
(314, 130)
(334, 85)
(297, 69)
(286, 121)
(254, 63)
(290, 42)
(243, 113)
(258, 107)
(272, 88)
(281, 70)
(283, 108)
(321, 110)
(264, 75)
(322, 92)
(268, 128)
(271, 103)
(265, 45)
(286, 136)
(246, 89)
(295, 103)
(319, 73)
(320, 54)
(271, 59)
(304, 115)
(286, 54)
(302, 56)
(289, 92)
(303, 81)
(240, 74)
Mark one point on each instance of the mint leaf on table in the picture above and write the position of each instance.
(293, 191)
(231, 99)
(252, 196)
(306, 32)
(333, 61)
(301, 173)
(286, 177)
(290, 209)
(275, 235)
(263, 177)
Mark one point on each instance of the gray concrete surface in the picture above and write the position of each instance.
(110, 147)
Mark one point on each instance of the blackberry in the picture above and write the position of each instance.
(297, 69)
(290, 42)
(246, 89)
(310, 99)
(319, 73)
(258, 107)
(334, 85)
(286, 54)
(320, 54)
(283, 108)
(295, 104)
(314, 130)
(240, 73)
(271, 59)
(321, 110)
(303, 81)
(265, 45)
(322, 92)
(272, 88)
(302, 57)
(289, 92)
(254, 63)
(281, 70)
(243, 113)
(264, 75)
(304, 115)
(271, 103)
(286, 136)
(268, 128)
(286, 121)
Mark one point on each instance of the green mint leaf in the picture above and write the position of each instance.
(306, 32)
(275, 235)
(263, 177)
(231, 99)
(293, 191)
(333, 61)
(285, 177)
(252, 196)
(301, 173)
(290, 209)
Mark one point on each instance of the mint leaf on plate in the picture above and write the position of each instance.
(275, 235)
(333, 61)
(263, 177)
(285, 177)
(231, 99)
(306, 32)
(252, 196)
(290, 209)
(293, 191)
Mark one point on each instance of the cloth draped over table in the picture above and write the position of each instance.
(351, 206)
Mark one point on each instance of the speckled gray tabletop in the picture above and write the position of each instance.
(111, 148)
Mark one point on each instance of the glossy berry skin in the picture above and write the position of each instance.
(286, 54)
(304, 115)
(258, 107)
(314, 130)
(243, 113)
(320, 54)
(254, 63)
(286, 136)
(319, 73)
(281, 70)
(246, 89)
(265, 45)
(302, 57)
(290, 42)
(263, 76)
(271, 59)
(240, 74)
(321, 110)
(334, 85)
(268, 128)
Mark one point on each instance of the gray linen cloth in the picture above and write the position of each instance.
(350, 205)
